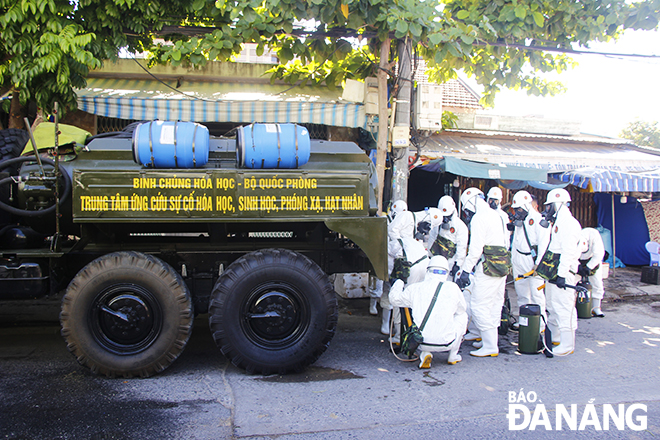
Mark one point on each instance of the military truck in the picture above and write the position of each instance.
(144, 233)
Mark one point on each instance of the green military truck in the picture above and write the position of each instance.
(146, 231)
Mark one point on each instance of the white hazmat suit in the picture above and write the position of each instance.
(487, 298)
(453, 229)
(527, 235)
(447, 320)
(560, 302)
(402, 244)
(591, 259)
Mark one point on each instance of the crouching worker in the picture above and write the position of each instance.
(438, 309)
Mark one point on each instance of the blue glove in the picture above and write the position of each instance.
(561, 282)
(464, 280)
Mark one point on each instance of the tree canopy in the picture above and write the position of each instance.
(643, 133)
(48, 46)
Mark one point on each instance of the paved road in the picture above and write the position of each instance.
(355, 390)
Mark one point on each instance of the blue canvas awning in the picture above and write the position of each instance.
(482, 170)
(217, 102)
(613, 181)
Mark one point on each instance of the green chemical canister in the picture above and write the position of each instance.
(529, 322)
(583, 300)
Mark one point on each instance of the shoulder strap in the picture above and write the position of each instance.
(428, 311)
(526, 236)
(403, 249)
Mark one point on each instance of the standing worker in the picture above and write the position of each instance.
(450, 238)
(494, 199)
(376, 284)
(562, 258)
(593, 252)
(528, 238)
(488, 255)
(446, 321)
(402, 245)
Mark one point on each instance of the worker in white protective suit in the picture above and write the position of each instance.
(591, 259)
(528, 237)
(451, 236)
(494, 199)
(488, 239)
(565, 234)
(444, 328)
(450, 240)
(376, 284)
(402, 244)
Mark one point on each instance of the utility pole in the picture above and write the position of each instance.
(383, 131)
(401, 133)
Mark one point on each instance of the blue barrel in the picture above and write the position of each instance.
(169, 144)
(272, 146)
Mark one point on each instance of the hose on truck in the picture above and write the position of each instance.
(25, 212)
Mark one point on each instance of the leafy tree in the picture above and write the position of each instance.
(48, 46)
(643, 133)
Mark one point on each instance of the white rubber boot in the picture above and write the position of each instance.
(595, 308)
(373, 310)
(489, 348)
(385, 326)
(454, 357)
(478, 343)
(425, 359)
(567, 345)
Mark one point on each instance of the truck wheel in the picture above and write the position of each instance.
(273, 311)
(127, 314)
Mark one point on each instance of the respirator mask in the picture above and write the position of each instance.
(467, 215)
(549, 215)
(446, 222)
(519, 216)
(423, 229)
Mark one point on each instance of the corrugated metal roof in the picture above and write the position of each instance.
(552, 155)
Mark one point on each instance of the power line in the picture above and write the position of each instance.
(563, 50)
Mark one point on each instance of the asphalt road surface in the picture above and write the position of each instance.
(356, 390)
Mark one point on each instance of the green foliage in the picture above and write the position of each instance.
(449, 120)
(643, 133)
(48, 46)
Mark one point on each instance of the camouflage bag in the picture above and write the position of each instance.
(497, 261)
(549, 266)
(443, 246)
(401, 270)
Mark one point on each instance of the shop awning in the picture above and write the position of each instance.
(202, 101)
(600, 180)
(481, 170)
(551, 153)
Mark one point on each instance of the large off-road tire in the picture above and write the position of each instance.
(273, 311)
(127, 314)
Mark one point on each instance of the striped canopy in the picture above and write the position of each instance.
(217, 102)
(602, 180)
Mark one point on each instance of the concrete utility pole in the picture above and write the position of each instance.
(401, 135)
(383, 132)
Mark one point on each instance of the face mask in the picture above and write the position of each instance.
(423, 229)
(446, 222)
(467, 214)
(493, 203)
(549, 215)
(519, 216)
